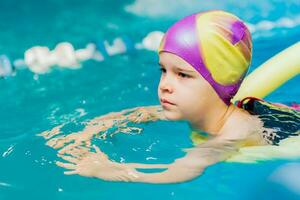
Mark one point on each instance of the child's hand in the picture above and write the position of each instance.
(96, 164)
(51, 133)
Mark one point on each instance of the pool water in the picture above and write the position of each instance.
(32, 103)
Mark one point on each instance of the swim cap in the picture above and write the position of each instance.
(217, 44)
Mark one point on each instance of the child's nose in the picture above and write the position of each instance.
(165, 84)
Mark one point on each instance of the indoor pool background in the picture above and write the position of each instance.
(31, 104)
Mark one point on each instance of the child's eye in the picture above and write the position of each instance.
(163, 70)
(183, 75)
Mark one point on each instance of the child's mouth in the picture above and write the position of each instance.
(166, 102)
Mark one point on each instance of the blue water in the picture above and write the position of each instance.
(31, 104)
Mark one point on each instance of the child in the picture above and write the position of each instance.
(204, 58)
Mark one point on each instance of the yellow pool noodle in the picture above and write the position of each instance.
(287, 149)
(271, 74)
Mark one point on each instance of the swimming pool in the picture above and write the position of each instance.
(31, 104)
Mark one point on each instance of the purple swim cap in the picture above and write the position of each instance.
(217, 44)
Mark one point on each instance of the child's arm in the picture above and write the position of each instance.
(100, 126)
(137, 115)
(183, 169)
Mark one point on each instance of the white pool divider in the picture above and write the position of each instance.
(40, 59)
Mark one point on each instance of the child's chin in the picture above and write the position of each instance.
(172, 115)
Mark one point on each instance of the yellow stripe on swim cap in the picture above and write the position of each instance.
(225, 61)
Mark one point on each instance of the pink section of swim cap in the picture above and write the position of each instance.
(238, 30)
(182, 40)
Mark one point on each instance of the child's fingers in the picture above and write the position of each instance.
(82, 148)
(98, 151)
(70, 172)
(58, 142)
(68, 158)
(49, 134)
(76, 154)
(80, 151)
(67, 148)
(66, 165)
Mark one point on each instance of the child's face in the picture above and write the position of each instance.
(184, 94)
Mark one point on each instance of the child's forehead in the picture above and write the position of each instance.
(173, 61)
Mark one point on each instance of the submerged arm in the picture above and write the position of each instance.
(192, 164)
(182, 169)
(137, 115)
(102, 124)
